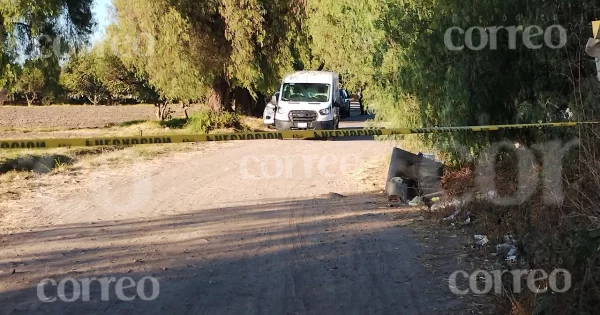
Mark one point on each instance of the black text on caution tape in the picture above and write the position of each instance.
(245, 136)
(21, 144)
(347, 133)
(127, 141)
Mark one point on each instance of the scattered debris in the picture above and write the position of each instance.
(12, 271)
(436, 207)
(468, 220)
(417, 201)
(481, 240)
(421, 218)
(489, 196)
(443, 205)
(508, 238)
(508, 249)
(452, 216)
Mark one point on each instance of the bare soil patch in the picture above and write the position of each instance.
(75, 116)
(268, 244)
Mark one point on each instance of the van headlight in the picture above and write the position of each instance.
(281, 111)
(325, 111)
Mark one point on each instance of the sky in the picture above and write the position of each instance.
(101, 10)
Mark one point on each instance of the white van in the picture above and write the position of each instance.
(308, 100)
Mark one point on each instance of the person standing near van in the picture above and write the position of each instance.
(360, 101)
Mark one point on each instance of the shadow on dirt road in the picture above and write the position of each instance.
(330, 255)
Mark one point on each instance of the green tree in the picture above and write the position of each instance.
(83, 76)
(21, 22)
(345, 35)
(101, 77)
(418, 81)
(37, 80)
(224, 52)
(31, 83)
(121, 81)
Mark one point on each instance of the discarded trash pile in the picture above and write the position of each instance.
(507, 251)
(437, 205)
(532, 229)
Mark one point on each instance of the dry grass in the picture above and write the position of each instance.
(64, 159)
(69, 158)
(254, 124)
(74, 161)
(131, 154)
(563, 236)
(13, 162)
(8, 177)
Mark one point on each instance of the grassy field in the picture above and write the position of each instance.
(105, 121)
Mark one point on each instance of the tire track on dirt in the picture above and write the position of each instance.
(236, 245)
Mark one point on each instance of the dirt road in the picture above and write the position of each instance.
(262, 227)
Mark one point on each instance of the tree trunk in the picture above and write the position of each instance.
(243, 101)
(321, 66)
(157, 110)
(29, 101)
(3, 92)
(93, 99)
(185, 107)
(220, 97)
(163, 112)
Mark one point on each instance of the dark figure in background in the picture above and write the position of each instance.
(360, 101)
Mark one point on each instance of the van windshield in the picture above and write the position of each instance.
(305, 92)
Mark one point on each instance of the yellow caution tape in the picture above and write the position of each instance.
(290, 134)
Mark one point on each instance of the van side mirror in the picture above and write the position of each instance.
(274, 99)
